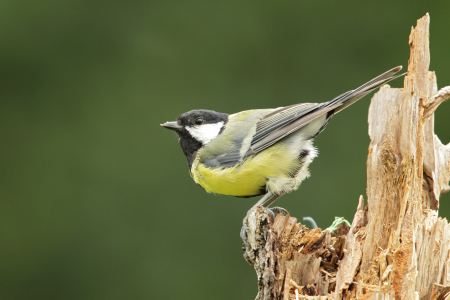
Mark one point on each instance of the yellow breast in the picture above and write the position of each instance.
(249, 177)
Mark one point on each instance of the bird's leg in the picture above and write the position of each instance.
(268, 199)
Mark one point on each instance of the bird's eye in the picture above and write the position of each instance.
(198, 121)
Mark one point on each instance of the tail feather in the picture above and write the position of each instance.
(352, 96)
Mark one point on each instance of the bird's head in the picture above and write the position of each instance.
(197, 128)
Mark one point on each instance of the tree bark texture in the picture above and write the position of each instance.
(397, 247)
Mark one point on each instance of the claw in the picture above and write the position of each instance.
(272, 215)
(278, 210)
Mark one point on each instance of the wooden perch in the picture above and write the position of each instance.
(397, 247)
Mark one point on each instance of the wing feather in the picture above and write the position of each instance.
(279, 118)
(282, 122)
(282, 132)
(254, 131)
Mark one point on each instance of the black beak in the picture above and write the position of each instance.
(172, 126)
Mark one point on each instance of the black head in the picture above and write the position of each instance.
(196, 128)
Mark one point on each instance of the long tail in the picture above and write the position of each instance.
(350, 97)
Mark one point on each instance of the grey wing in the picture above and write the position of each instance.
(260, 132)
(281, 117)
(283, 122)
(225, 160)
(275, 126)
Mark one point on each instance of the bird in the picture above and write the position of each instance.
(261, 151)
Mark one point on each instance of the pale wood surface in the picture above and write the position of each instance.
(397, 247)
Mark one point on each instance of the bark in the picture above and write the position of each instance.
(397, 247)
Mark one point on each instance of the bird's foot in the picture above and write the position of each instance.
(274, 211)
(250, 221)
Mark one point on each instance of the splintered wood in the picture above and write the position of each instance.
(301, 259)
(397, 247)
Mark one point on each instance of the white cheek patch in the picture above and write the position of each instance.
(205, 133)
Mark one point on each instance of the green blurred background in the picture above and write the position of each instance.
(96, 201)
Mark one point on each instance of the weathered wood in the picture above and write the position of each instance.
(288, 256)
(352, 259)
(261, 252)
(397, 247)
(407, 169)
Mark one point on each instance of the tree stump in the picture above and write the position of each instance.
(397, 247)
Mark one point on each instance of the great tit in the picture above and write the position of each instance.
(262, 151)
